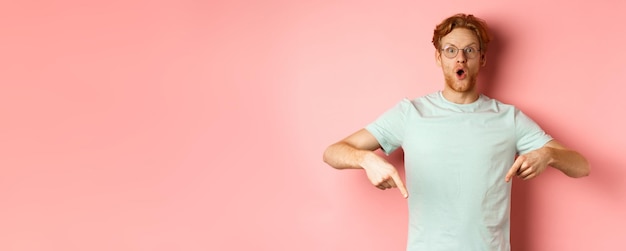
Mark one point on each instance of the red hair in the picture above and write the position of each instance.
(470, 22)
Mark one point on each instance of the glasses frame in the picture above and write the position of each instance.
(465, 52)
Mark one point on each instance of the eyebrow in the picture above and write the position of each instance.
(448, 44)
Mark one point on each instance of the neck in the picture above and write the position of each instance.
(460, 97)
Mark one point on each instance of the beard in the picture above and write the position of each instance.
(466, 85)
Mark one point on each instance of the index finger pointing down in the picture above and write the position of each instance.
(396, 178)
(516, 166)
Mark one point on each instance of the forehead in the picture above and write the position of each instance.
(460, 37)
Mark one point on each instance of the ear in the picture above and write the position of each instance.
(438, 57)
(483, 60)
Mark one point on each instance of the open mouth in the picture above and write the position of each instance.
(460, 72)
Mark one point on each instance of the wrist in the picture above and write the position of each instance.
(364, 157)
(550, 155)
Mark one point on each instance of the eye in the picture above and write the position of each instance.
(469, 50)
(450, 50)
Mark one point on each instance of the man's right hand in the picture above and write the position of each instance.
(382, 174)
(356, 151)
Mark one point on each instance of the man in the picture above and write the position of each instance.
(459, 149)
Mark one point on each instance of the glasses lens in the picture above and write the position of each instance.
(450, 52)
(470, 52)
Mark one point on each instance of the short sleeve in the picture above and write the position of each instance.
(528, 134)
(389, 128)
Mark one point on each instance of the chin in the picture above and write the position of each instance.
(464, 88)
(461, 87)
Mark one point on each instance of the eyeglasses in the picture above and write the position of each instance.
(451, 51)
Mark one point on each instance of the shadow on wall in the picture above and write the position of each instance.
(606, 177)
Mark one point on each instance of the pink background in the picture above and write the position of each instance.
(195, 125)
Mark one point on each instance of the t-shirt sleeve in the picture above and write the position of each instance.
(529, 135)
(389, 128)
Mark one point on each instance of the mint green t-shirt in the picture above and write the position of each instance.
(456, 157)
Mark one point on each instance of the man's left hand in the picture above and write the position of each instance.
(529, 165)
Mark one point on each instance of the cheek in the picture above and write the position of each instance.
(475, 67)
(448, 65)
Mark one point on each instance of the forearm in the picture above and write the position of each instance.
(342, 155)
(569, 162)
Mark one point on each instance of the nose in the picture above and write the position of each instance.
(460, 57)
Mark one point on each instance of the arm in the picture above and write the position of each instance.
(350, 152)
(530, 165)
(357, 151)
(567, 161)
